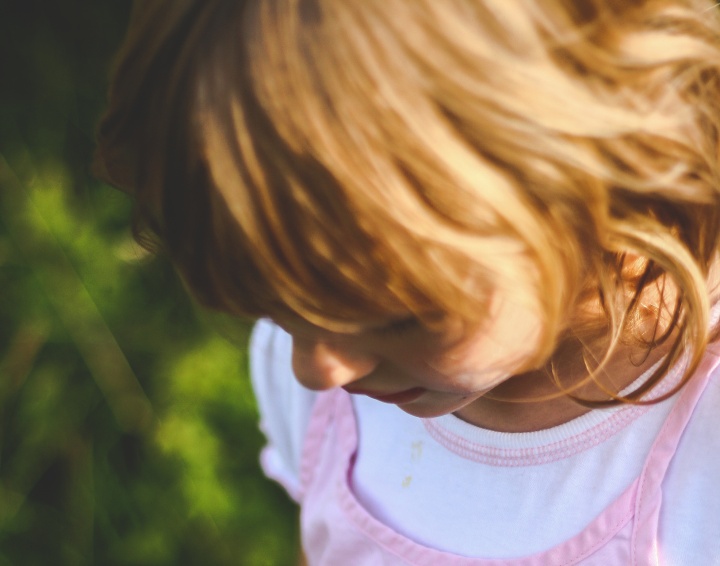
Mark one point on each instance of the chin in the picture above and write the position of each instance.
(429, 410)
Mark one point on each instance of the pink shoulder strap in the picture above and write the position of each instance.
(320, 419)
(649, 495)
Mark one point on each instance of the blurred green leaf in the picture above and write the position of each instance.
(128, 433)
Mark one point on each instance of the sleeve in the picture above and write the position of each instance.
(284, 405)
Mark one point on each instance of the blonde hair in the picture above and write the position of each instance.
(342, 161)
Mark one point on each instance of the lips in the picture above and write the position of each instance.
(398, 398)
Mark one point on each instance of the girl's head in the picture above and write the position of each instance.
(349, 164)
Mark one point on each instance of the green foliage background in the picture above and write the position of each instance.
(128, 433)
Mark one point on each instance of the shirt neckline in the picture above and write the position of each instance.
(548, 445)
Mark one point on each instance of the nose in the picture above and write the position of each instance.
(323, 364)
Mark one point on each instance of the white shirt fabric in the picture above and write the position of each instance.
(458, 488)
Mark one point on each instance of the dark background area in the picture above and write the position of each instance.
(128, 432)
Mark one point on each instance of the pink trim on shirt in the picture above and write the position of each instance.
(565, 447)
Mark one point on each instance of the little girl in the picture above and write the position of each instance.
(484, 237)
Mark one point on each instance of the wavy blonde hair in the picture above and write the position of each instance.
(343, 161)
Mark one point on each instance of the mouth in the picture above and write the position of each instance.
(398, 398)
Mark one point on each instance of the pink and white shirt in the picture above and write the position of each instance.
(628, 485)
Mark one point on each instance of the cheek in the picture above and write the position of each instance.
(472, 371)
(489, 357)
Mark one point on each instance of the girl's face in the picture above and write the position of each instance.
(426, 373)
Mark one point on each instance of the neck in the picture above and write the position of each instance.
(529, 401)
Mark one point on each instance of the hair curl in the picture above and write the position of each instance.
(342, 160)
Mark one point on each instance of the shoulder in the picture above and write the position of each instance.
(270, 353)
(690, 523)
(284, 405)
